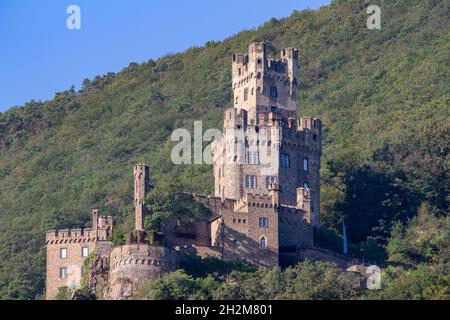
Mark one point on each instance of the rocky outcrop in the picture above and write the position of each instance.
(99, 268)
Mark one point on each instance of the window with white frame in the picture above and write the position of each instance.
(284, 160)
(253, 157)
(84, 252)
(250, 182)
(270, 179)
(63, 273)
(263, 222)
(63, 253)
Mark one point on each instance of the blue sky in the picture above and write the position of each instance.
(40, 56)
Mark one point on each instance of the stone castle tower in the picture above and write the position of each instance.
(266, 165)
(265, 149)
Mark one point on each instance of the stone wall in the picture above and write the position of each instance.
(197, 234)
(240, 235)
(294, 230)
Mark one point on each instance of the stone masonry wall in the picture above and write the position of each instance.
(132, 264)
(73, 241)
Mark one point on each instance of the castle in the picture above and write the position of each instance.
(267, 192)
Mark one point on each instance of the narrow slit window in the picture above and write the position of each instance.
(305, 164)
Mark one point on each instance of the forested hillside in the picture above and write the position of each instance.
(383, 96)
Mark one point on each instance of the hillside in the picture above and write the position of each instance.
(383, 97)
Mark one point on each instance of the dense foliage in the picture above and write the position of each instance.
(306, 281)
(383, 96)
(168, 202)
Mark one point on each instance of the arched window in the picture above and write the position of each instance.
(263, 243)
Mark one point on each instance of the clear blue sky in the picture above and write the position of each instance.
(40, 56)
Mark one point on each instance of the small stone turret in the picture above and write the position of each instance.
(274, 193)
(304, 203)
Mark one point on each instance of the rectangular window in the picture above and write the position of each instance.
(63, 253)
(273, 109)
(63, 273)
(245, 94)
(273, 92)
(84, 252)
(305, 164)
(305, 186)
(253, 158)
(269, 180)
(263, 222)
(284, 161)
(250, 182)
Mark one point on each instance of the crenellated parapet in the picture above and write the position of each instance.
(304, 136)
(101, 229)
(142, 255)
(260, 83)
(264, 201)
(69, 236)
(256, 64)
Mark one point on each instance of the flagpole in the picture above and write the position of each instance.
(344, 237)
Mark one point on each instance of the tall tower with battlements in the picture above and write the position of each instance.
(262, 85)
(264, 146)
(142, 186)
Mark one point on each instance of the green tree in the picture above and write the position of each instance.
(168, 202)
